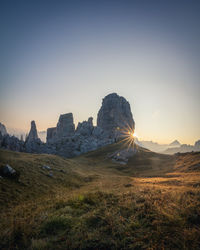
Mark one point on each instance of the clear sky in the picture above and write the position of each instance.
(65, 56)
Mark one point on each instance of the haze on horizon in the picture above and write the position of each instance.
(65, 56)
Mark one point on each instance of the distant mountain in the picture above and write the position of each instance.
(153, 146)
(175, 144)
(171, 148)
(183, 148)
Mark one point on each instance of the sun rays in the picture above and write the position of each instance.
(128, 136)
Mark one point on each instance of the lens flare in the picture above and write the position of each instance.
(128, 136)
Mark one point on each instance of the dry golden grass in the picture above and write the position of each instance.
(151, 203)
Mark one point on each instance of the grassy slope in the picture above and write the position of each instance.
(150, 203)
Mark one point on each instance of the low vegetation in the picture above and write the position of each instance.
(94, 203)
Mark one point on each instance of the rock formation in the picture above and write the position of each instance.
(197, 144)
(85, 128)
(115, 115)
(12, 143)
(33, 144)
(65, 126)
(33, 133)
(3, 130)
(51, 134)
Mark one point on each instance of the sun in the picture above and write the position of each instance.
(128, 134)
(133, 134)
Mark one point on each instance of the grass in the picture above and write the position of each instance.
(153, 202)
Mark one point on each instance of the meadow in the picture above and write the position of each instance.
(91, 202)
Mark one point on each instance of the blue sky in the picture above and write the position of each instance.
(65, 56)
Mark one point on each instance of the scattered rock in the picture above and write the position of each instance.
(128, 185)
(50, 174)
(46, 167)
(122, 156)
(119, 162)
(9, 172)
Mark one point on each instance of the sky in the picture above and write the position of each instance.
(65, 56)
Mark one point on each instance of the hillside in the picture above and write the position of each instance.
(92, 202)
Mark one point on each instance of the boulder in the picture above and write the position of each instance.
(46, 167)
(115, 115)
(9, 172)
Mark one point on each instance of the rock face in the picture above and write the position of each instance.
(197, 144)
(51, 134)
(33, 133)
(85, 138)
(3, 130)
(86, 127)
(33, 144)
(115, 114)
(12, 143)
(65, 126)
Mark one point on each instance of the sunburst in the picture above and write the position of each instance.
(128, 136)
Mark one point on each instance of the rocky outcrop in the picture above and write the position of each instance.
(51, 134)
(115, 115)
(85, 128)
(65, 126)
(122, 156)
(197, 144)
(3, 130)
(33, 144)
(12, 143)
(85, 138)
(32, 136)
